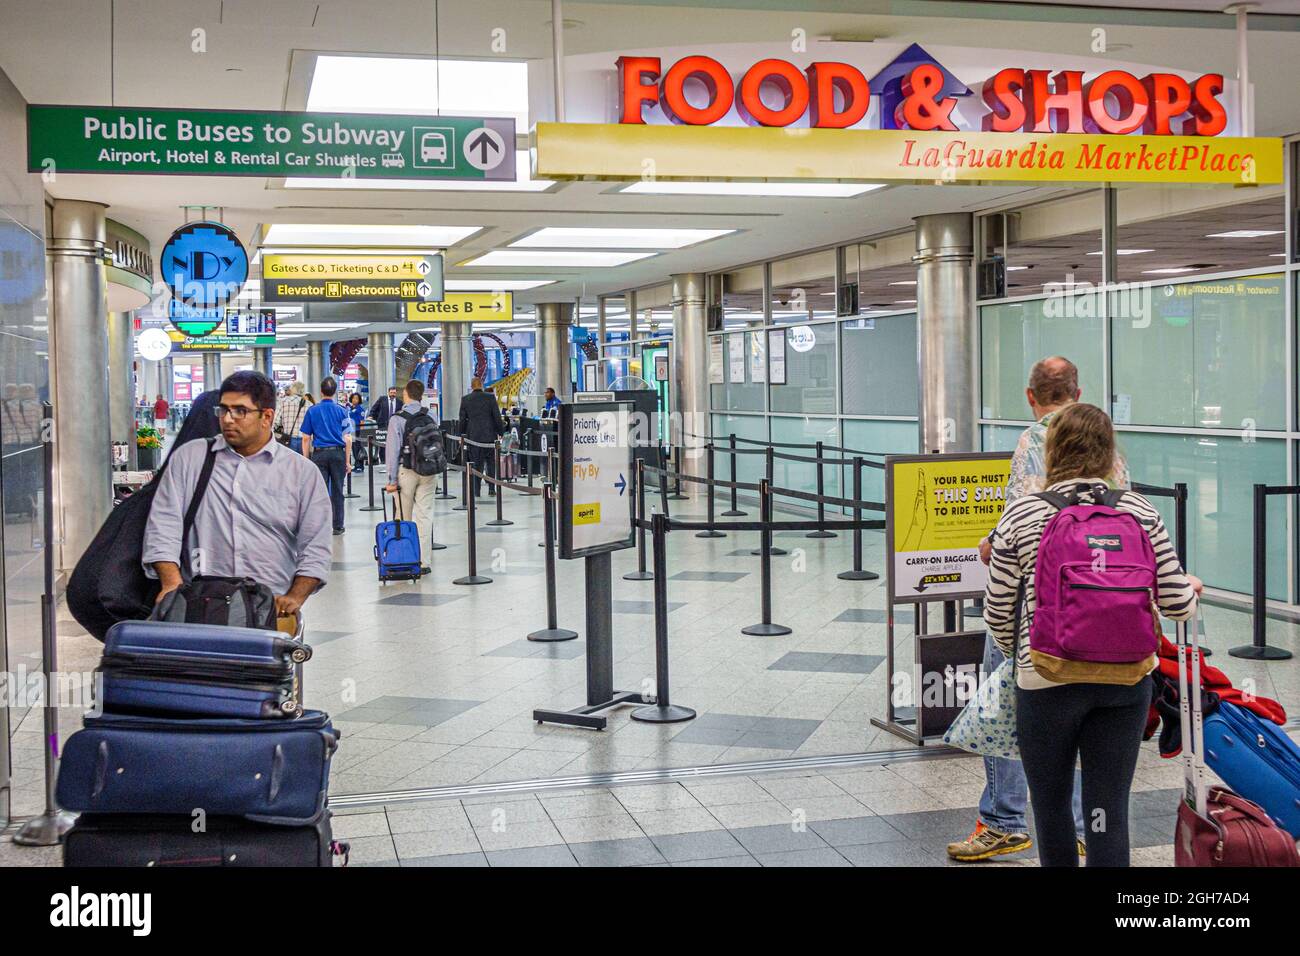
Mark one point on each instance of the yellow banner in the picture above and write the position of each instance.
(327, 266)
(619, 152)
(464, 307)
(941, 508)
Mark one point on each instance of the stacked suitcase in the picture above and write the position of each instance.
(202, 754)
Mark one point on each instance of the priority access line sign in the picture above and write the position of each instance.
(351, 278)
(184, 142)
(464, 307)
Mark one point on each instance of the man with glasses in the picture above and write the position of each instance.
(265, 514)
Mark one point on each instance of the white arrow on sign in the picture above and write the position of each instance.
(424, 267)
(484, 148)
(424, 289)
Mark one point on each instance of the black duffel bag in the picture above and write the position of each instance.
(210, 599)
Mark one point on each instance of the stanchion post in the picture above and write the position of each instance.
(552, 632)
(677, 473)
(472, 576)
(500, 520)
(856, 573)
(370, 473)
(821, 531)
(464, 477)
(638, 479)
(765, 627)
(443, 495)
(733, 511)
(662, 711)
(663, 481)
(1259, 649)
(524, 444)
(765, 545)
(708, 471)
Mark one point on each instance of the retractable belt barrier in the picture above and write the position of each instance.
(1258, 649)
(787, 444)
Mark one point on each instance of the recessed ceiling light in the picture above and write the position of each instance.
(1244, 234)
(495, 285)
(1277, 255)
(904, 282)
(584, 237)
(575, 259)
(523, 181)
(310, 234)
(1017, 268)
(420, 85)
(703, 188)
(1168, 272)
(904, 301)
(1124, 252)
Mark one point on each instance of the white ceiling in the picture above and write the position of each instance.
(259, 51)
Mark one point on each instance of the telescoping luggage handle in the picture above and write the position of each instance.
(1187, 633)
(397, 510)
(293, 706)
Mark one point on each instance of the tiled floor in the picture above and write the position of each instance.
(433, 685)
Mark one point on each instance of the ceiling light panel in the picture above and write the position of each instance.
(523, 183)
(563, 259)
(495, 285)
(585, 237)
(807, 190)
(309, 234)
(420, 85)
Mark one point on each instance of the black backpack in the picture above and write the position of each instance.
(422, 450)
(228, 602)
(109, 584)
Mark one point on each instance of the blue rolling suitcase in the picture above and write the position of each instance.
(200, 670)
(397, 546)
(1257, 760)
(269, 771)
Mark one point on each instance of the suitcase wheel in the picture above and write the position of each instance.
(290, 707)
(299, 655)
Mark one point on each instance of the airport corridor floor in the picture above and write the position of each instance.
(433, 685)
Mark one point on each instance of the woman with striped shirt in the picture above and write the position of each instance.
(1098, 725)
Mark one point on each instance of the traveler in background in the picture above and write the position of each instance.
(289, 415)
(480, 421)
(327, 442)
(414, 491)
(1001, 826)
(265, 513)
(357, 412)
(1099, 725)
(160, 412)
(551, 409)
(384, 408)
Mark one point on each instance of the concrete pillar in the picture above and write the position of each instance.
(264, 362)
(79, 369)
(554, 319)
(379, 364)
(947, 332)
(121, 382)
(457, 363)
(166, 379)
(318, 366)
(690, 371)
(211, 370)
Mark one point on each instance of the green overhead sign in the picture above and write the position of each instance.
(103, 139)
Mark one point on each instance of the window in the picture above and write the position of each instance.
(810, 367)
(1048, 245)
(880, 366)
(740, 389)
(803, 288)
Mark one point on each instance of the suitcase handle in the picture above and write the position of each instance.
(1189, 710)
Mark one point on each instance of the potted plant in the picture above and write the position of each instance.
(148, 445)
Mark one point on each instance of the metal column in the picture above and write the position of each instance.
(379, 364)
(553, 322)
(79, 352)
(690, 374)
(212, 374)
(167, 379)
(264, 362)
(457, 361)
(318, 366)
(121, 383)
(947, 333)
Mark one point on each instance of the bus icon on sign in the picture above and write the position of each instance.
(434, 147)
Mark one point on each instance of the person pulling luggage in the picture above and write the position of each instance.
(264, 513)
(415, 443)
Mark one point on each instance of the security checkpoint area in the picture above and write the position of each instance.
(639, 435)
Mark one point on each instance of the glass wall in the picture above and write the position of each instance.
(742, 387)
(802, 475)
(880, 366)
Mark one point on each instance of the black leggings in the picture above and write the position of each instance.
(1100, 725)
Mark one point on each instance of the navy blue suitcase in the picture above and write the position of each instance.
(397, 548)
(200, 670)
(272, 771)
(1257, 760)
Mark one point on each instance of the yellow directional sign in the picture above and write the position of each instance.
(329, 266)
(464, 307)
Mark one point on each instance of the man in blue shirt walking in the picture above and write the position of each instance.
(327, 441)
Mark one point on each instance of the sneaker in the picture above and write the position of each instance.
(338, 530)
(424, 569)
(986, 843)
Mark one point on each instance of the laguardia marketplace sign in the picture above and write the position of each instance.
(1036, 126)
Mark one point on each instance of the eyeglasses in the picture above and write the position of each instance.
(237, 412)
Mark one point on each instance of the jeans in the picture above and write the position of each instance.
(333, 466)
(1100, 726)
(296, 444)
(1006, 792)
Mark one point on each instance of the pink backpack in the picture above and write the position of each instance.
(1095, 619)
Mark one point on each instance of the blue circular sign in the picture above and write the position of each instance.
(204, 264)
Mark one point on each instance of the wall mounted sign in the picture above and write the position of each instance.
(204, 264)
(776, 355)
(736, 358)
(351, 278)
(153, 344)
(715, 362)
(757, 358)
(802, 338)
(464, 307)
(102, 139)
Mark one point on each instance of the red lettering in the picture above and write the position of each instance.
(825, 79)
(1129, 94)
(919, 109)
(787, 78)
(1169, 96)
(1046, 107)
(1208, 115)
(633, 72)
(1001, 95)
(716, 80)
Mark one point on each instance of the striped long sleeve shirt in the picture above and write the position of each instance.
(1015, 554)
